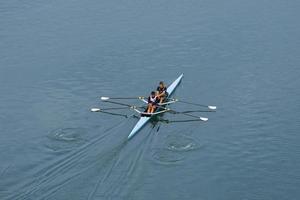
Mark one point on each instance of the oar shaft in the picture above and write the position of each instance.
(108, 98)
(124, 97)
(124, 104)
(116, 108)
(186, 114)
(196, 104)
(121, 108)
(178, 121)
(195, 111)
(118, 103)
(117, 114)
(111, 113)
(194, 116)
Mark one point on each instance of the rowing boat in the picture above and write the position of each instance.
(145, 119)
(162, 108)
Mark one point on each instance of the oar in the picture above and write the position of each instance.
(167, 103)
(108, 98)
(121, 104)
(100, 110)
(194, 116)
(128, 105)
(116, 108)
(195, 111)
(196, 104)
(179, 121)
(186, 114)
(120, 108)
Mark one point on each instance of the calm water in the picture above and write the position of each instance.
(58, 57)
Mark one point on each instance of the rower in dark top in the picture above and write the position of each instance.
(162, 92)
(152, 102)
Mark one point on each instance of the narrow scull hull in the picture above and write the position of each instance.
(144, 120)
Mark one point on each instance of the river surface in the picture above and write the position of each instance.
(58, 57)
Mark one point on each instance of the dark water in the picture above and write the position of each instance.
(58, 57)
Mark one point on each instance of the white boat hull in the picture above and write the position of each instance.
(144, 120)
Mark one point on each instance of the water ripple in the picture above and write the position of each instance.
(63, 139)
(174, 149)
(181, 143)
(166, 157)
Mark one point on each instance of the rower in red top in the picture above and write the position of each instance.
(162, 92)
(152, 102)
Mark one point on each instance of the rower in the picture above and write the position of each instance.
(162, 92)
(152, 102)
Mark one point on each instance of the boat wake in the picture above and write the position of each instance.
(79, 160)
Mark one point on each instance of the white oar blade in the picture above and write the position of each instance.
(203, 119)
(212, 107)
(104, 98)
(95, 109)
